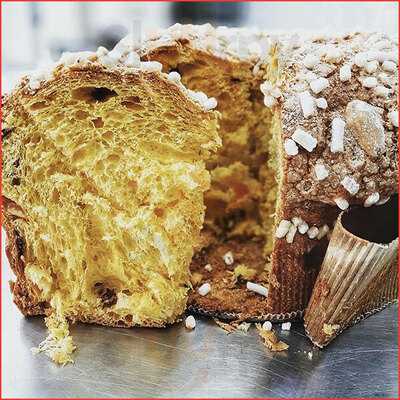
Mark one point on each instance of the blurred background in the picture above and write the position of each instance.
(34, 33)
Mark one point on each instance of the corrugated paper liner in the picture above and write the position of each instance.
(359, 273)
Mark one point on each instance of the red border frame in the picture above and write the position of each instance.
(226, 1)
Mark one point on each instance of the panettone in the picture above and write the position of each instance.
(106, 160)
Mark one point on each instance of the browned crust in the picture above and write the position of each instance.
(22, 289)
(95, 72)
(295, 266)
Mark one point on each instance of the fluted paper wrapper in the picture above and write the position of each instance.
(357, 278)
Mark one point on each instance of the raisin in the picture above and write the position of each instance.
(15, 181)
(108, 296)
(20, 243)
(5, 132)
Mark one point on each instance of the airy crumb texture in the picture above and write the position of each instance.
(103, 176)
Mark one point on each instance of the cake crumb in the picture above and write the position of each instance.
(227, 327)
(331, 329)
(243, 271)
(244, 327)
(270, 340)
(196, 278)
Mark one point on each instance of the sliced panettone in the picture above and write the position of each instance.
(309, 128)
(103, 181)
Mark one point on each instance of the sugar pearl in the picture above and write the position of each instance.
(333, 54)
(303, 228)
(304, 139)
(371, 66)
(342, 203)
(296, 221)
(336, 144)
(292, 232)
(382, 91)
(310, 76)
(267, 326)
(174, 76)
(321, 103)
(266, 87)
(256, 288)
(345, 73)
(307, 104)
(350, 184)
(291, 148)
(323, 231)
(228, 258)
(389, 66)
(371, 199)
(321, 172)
(286, 326)
(394, 118)
(310, 61)
(204, 289)
(276, 92)
(190, 322)
(269, 101)
(208, 267)
(210, 103)
(283, 228)
(318, 85)
(361, 59)
(370, 82)
(312, 233)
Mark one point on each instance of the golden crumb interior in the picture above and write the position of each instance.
(240, 205)
(110, 176)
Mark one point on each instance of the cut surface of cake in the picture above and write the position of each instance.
(103, 181)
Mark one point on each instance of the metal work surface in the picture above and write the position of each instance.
(205, 362)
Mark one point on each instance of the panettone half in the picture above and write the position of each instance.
(309, 128)
(103, 181)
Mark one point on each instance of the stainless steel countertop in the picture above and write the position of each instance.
(205, 362)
